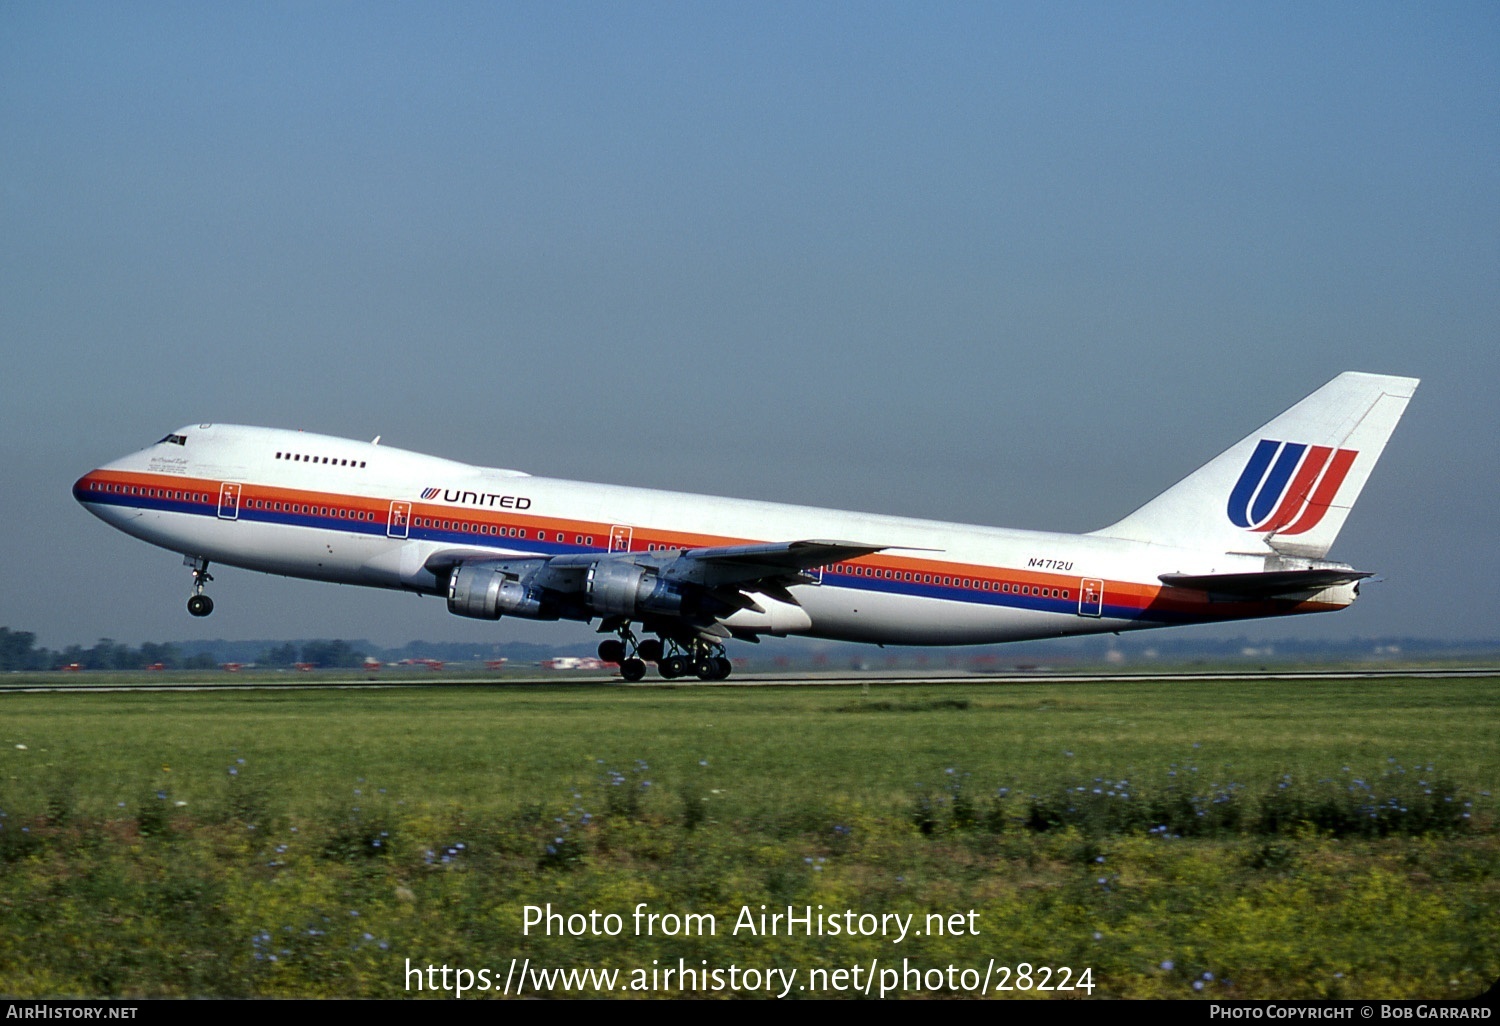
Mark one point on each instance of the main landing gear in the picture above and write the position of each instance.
(199, 604)
(702, 659)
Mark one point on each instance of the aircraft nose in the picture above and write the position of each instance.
(83, 488)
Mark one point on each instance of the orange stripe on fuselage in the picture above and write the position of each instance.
(202, 492)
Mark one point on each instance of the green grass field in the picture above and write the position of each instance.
(1220, 839)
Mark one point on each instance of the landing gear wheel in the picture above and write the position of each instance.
(650, 650)
(612, 651)
(632, 669)
(722, 668)
(200, 604)
(703, 667)
(673, 667)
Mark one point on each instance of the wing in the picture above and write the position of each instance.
(783, 561)
(680, 593)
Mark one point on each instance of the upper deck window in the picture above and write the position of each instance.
(173, 440)
(333, 461)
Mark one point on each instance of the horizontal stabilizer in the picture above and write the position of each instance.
(1265, 585)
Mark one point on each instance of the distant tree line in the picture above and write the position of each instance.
(19, 651)
(327, 654)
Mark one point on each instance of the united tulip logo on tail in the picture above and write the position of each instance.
(1287, 487)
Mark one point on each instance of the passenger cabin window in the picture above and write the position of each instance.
(333, 461)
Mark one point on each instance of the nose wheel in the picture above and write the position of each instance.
(199, 604)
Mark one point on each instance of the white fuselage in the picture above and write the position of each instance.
(332, 509)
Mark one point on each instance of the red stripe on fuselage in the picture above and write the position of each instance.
(968, 581)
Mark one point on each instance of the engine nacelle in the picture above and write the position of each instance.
(617, 588)
(485, 593)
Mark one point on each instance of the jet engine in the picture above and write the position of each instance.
(617, 588)
(485, 592)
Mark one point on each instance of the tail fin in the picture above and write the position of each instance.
(1288, 487)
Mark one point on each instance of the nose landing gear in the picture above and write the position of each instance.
(199, 604)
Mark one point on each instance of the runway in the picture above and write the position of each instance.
(565, 679)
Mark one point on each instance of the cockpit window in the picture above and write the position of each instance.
(174, 440)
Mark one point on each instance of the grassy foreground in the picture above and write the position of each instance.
(1174, 839)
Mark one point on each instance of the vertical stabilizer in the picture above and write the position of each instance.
(1288, 487)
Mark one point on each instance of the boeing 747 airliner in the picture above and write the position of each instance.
(1244, 536)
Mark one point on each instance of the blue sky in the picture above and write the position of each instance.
(1014, 264)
